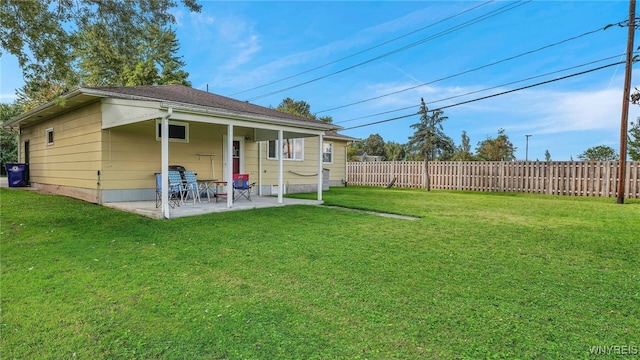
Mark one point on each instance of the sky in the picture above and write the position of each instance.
(365, 63)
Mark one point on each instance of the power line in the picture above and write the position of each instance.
(488, 96)
(465, 72)
(406, 47)
(363, 51)
(483, 90)
(377, 114)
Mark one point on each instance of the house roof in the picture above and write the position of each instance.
(175, 94)
(335, 135)
(190, 96)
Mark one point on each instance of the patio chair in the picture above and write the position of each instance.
(241, 186)
(174, 197)
(176, 187)
(191, 186)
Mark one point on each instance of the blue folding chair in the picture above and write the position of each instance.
(191, 187)
(174, 192)
(241, 186)
(177, 189)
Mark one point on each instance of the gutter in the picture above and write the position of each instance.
(253, 117)
(39, 108)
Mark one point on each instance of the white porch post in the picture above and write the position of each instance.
(320, 177)
(280, 165)
(164, 149)
(260, 168)
(229, 178)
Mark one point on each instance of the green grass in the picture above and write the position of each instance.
(478, 275)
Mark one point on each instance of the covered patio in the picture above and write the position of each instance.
(236, 122)
(149, 209)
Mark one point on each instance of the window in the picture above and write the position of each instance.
(178, 131)
(327, 152)
(50, 136)
(292, 149)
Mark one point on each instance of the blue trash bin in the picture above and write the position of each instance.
(16, 174)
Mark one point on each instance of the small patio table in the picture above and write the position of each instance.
(207, 187)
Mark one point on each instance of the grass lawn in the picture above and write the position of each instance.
(478, 275)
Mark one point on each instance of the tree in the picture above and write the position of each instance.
(374, 145)
(89, 42)
(326, 119)
(547, 155)
(291, 106)
(301, 108)
(148, 59)
(498, 149)
(599, 153)
(353, 149)
(463, 152)
(8, 138)
(633, 143)
(393, 151)
(429, 138)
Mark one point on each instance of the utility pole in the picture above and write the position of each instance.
(526, 156)
(625, 102)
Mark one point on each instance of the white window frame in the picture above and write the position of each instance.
(49, 136)
(296, 143)
(330, 152)
(173, 123)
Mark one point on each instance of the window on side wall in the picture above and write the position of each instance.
(49, 136)
(327, 152)
(292, 149)
(178, 131)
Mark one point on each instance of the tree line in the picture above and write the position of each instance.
(497, 148)
(430, 143)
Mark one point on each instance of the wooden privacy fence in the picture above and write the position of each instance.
(574, 178)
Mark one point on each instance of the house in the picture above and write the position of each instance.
(362, 156)
(105, 144)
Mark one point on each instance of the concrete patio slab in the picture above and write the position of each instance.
(148, 208)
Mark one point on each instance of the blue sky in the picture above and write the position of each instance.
(361, 58)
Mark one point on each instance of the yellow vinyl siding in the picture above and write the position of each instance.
(131, 154)
(251, 160)
(305, 172)
(338, 169)
(73, 158)
(295, 172)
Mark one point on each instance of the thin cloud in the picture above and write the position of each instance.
(8, 98)
(245, 50)
(282, 66)
(580, 111)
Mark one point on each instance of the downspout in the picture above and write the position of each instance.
(346, 164)
(165, 162)
(19, 145)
